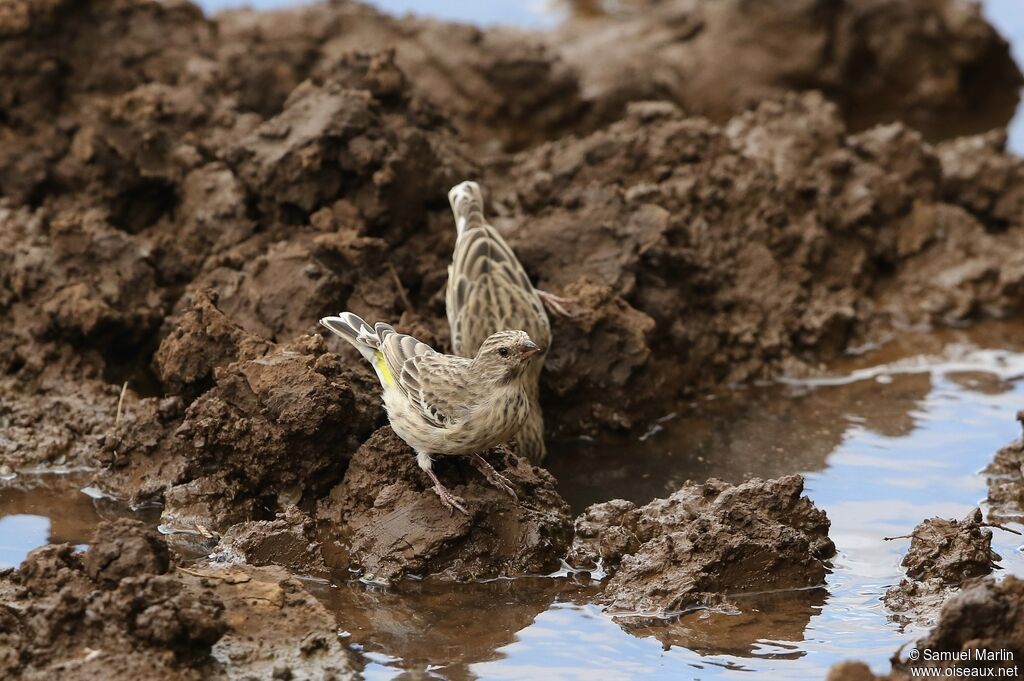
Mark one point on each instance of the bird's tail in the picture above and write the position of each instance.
(357, 332)
(467, 205)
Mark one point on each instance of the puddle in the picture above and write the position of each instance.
(52, 508)
(888, 438)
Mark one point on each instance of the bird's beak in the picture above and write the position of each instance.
(530, 348)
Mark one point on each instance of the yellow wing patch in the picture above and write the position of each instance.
(381, 365)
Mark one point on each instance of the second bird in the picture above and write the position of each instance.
(489, 291)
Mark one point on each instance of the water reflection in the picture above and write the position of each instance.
(37, 510)
(51, 509)
(441, 629)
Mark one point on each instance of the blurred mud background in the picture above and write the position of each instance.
(728, 190)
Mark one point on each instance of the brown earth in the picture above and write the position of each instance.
(121, 610)
(1006, 481)
(391, 523)
(944, 556)
(184, 196)
(699, 550)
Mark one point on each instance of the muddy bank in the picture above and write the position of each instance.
(121, 610)
(944, 555)
(723, 255)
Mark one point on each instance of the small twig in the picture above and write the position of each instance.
(1001, 527)
(401, 288)
(120, 403)
(900, 536)
(197, 574)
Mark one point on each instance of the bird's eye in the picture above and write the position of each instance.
(503, 351)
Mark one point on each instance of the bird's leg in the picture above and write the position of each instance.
(554, 304)
(493, 476)
(451, 501)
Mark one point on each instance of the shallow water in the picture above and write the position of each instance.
(885, 440)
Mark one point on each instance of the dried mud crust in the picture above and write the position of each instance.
(391, 523)
(943, 556)
(694, 547)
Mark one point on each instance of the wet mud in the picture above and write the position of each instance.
(987, 615)
(389, 520)
(120, 609)
(184, 196)
(1006, 481)
(944, 555)
(698, 548)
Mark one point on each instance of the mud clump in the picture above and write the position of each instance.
(113, 609)
(289, 540)
(271, 430)
(121, 611)
(392, 523)
(987, 616)
(1006, 481)
(276, 630)
(943, 556)
(704, 542)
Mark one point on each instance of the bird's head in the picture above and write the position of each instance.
(505, 356)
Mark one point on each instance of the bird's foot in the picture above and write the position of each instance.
(450, 501)
(555, 304)
(493, 476)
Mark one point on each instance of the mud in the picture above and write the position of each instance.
(110, 610)
(1006, 481)
(880, 61)
(944, 555)
(121, 610)
(184, 196)
(704, 543)
(987, 615)
(389, 521)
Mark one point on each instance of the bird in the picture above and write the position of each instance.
(445, 404)
(488, 290)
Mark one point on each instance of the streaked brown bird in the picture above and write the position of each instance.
(443, 404)
(488, 290)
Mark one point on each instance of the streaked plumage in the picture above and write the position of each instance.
(488, 290)
(443, 404)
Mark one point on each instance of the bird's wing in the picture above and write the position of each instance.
(489, 291)
(431, 381)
